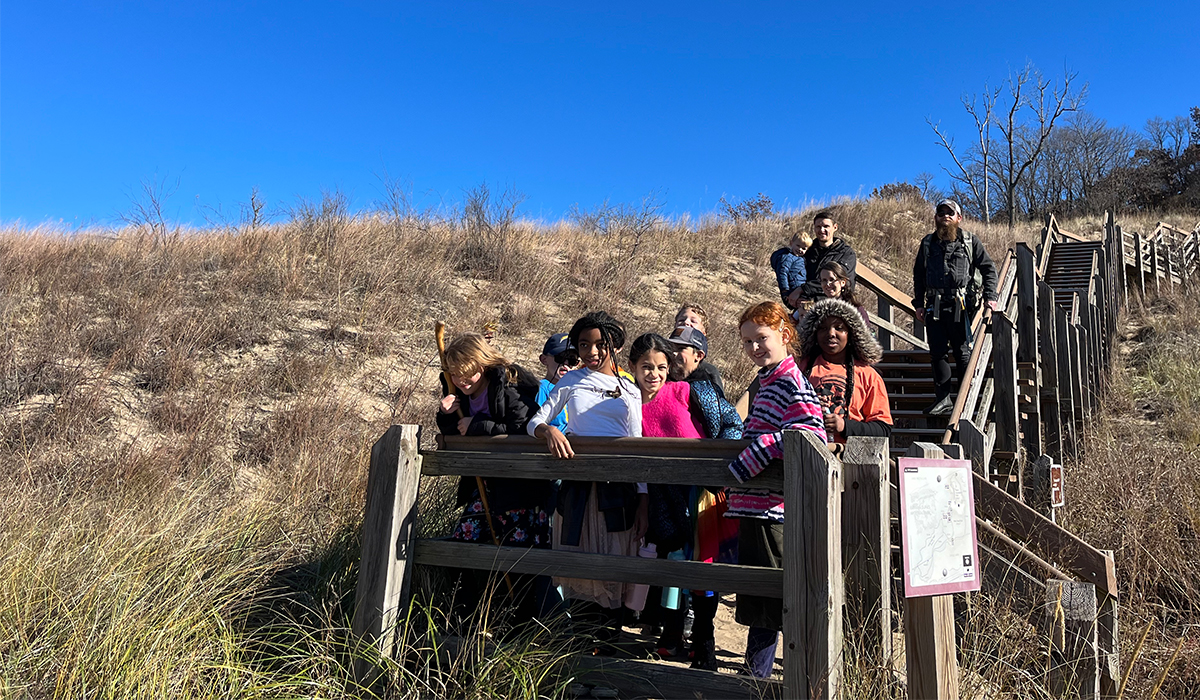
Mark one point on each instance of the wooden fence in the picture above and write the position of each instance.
(1038, 371)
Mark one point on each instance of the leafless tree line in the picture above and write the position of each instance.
(1036, 150)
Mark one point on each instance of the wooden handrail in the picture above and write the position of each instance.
(979, 328)
(869, 279)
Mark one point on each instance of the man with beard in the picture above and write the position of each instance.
(951, 272)
(824, 248)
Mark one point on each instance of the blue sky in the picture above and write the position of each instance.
(566, 102)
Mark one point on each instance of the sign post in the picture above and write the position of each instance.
(941, 558)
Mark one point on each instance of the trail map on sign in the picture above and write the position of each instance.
(937, 524)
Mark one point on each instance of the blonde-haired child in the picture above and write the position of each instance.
(790, 271)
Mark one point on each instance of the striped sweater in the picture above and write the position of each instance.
(785, 400)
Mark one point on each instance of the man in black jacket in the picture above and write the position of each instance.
(824, 249)
(951, 272)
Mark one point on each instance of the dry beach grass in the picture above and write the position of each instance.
(185, 424)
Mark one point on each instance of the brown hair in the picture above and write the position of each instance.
(771, 314)
(838, 270)
(470, 353)
(824, 214)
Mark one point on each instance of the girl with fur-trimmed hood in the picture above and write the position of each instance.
(836, 354)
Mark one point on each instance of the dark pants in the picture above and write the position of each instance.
(947, 335)
(704, 607)
(760, 543)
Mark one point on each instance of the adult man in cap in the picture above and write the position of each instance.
(951, 272)
(691, 366)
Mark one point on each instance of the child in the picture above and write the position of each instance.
(558, 357)
(690, 364)
(784, 400)
(488, 400)
(692, 316)
(835, 283)
(788, 263)
(689, 410)
(836, 354)
(604, 518)
(492, 397)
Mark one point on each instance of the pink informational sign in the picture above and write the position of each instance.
(937, 527)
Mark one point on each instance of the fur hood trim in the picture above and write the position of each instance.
(862, 344)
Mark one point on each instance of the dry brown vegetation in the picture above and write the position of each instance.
(185, 423)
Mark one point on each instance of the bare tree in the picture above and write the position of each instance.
(976, 179)
(147, 208)
(929, 191)
(1168, 135)
(1036, 106)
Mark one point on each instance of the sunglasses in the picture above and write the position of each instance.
(569, 359)
(946, 212)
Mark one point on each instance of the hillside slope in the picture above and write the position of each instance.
(186, 422)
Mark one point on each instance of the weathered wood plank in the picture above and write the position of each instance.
(643, 446)
(1004, 372)
(1066, 403)
(1053, 542)
(1051, 412)
(975, 443)
(1108, 638)
(890, 328)
(929, 641)
(1027, 308)
(1071, 621)
(884, 313)
(686, 471)
(385, 562)
(813, 587)
(727, 578)
(1036, 485)
(867, 544)
(636, 679)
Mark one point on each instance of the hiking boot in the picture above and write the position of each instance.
(942, 407)
(704, 655)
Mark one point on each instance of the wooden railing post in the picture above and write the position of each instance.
(1108, 637)
(1071, 623)
(929, 641)
(813, 586)
(867, 545)
(388, 529)
(885, 312)
(1004, 370)
(1049, 362)
(975, 442)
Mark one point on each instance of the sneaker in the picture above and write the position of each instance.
(944, 407)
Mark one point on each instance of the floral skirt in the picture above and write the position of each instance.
(523, 527)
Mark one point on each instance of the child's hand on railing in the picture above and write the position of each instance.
(556, 442)
(463, 424)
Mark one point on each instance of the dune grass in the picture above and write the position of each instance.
(185, 424)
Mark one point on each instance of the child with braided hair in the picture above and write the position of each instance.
(596, 517)
(836, 354)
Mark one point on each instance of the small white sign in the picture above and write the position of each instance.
(937, 525)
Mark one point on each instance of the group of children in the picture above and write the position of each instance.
(818, 378)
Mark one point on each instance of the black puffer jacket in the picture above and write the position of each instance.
(840, 252)
(511, 401)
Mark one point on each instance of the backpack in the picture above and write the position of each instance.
(975, 284)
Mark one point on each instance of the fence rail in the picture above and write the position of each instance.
(1038, 370)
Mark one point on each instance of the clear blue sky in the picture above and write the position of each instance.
(567, 102)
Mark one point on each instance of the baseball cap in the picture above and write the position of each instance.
(949, 203)
(688, 337)
(556, 344)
